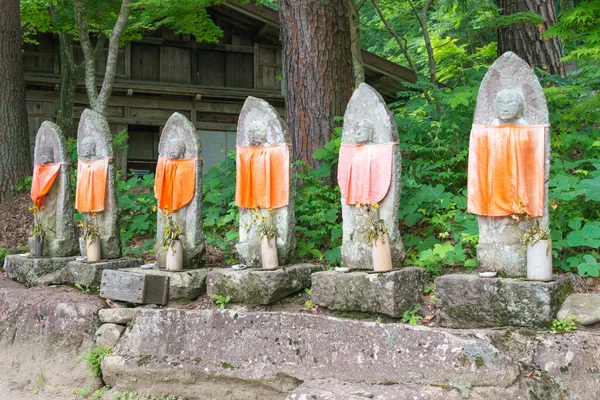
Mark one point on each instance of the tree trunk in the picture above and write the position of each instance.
(357, 61)
(318, 70)
(526, 40)
(15, 159)
(68, 83)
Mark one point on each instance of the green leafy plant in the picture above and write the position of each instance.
(23, 185)
(84, 289)
(93, 359)
(3, 253)
(374, 228)
(222, 300)
(411, 316)
(563, 326)
(263, 222)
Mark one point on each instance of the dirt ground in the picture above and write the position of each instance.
(15, 222)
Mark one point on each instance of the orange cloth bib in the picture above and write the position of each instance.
(365, 172)
(506, 166)
(262, 176)
(91, 185)
(44, 176)
(175, 182)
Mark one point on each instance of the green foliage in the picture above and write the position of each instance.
(137, 213)
(222, 300)
(23, 185)
(84, 289)
(563, 326)
(90, 393)
(93, 359)
(411, 316)
(221, 216)
(3, 253)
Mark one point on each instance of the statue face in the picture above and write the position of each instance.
(47, 155)
(363, 132)
(508, 105)
(87, 148)
(257, 133)
(175, 148)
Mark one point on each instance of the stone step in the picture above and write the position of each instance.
(469, 301)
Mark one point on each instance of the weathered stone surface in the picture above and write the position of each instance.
(86, 274)
(331, 389)
(258, 113)
(120, 316)
(31, 270)
(389, 293)
(188, 284)
(584, 306)
(108, 335)
(468, 301)
(367, 106)
(56, 213)
(46, 329)
(259, 287)
(264, 346)
(500, 238)
(180, 131)
(93, 128)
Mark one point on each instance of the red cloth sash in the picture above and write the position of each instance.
(506, 170)
(175, 182)
(44, 176)
(91, 185)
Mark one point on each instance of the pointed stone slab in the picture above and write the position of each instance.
(367, 104)
(500, 246)
(93, 125)
(189, 216)
(256, 109)
(60, 236)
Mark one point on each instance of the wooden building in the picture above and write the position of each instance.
(208, 83)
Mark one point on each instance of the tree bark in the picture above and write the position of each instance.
(357, 61)
(526, 40)
(318, 70)
(99, 101)
(68, 83)
(15, 159)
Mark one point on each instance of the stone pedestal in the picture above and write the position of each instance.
(255, 287)
(29, 270)
(469, 301)
(90, 274)
(187, 284)
(389, 293)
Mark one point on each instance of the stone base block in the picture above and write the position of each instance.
(469, 301)
(389, 293)
(259, 287)
(90, 274)
(187, 284)
(28, 270)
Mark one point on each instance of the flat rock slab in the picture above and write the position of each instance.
(90, 274)
(469, 301)
(584, 306)
(119, 316)
(259, 287)
(29, 270)
(187, 284)
(389, 293)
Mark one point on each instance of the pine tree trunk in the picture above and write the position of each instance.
(526, 40)
(68, 83)
(357, 61)
(15, 161)
(318, 70)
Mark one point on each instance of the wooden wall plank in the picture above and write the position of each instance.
(239, 70)
(175, 64)
(145, 62)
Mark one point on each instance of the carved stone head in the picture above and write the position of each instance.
(508, 106)
(363, 132)
(46, 155)
(87, 149)
(175, 148)
(257, 133)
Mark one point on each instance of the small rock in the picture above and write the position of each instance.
(362, 393)
(108, 335)
(584, 306)
(14, 385)
(117, 315)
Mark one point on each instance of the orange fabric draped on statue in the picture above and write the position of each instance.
(175, 182)
(365, 172)
(262, 176)
(91, 185)
(44, 176)
(506, 170)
